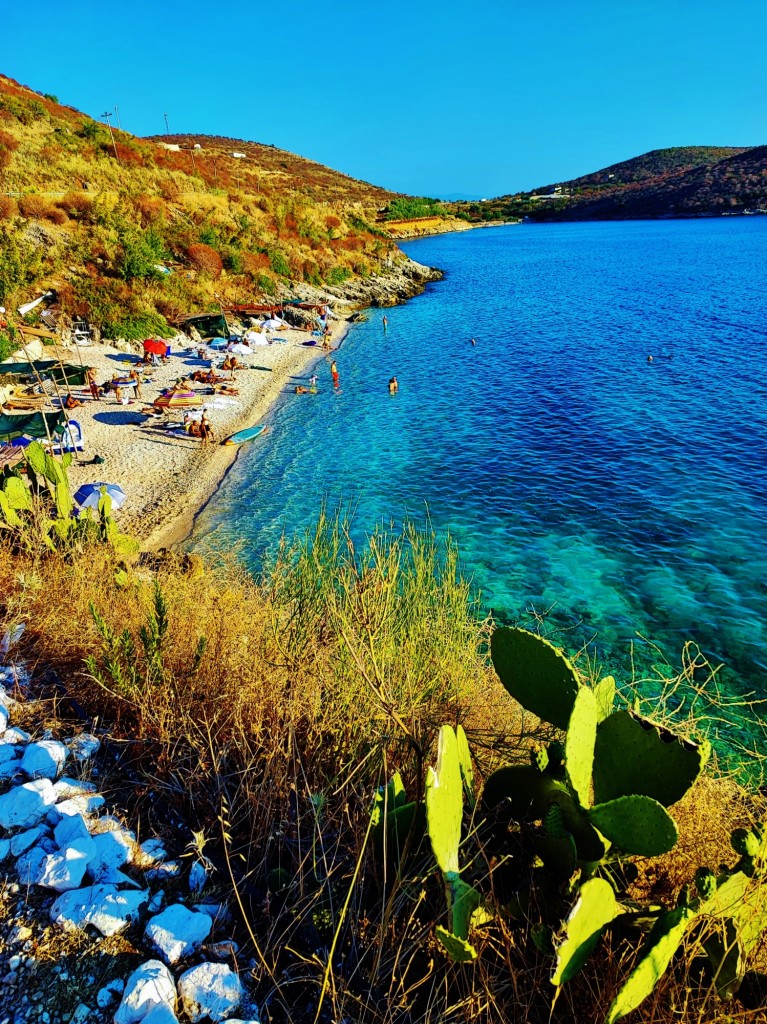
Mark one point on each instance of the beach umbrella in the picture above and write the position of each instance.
(177, 400)
(218, 343)
(89, 495)
(240, 349)
(154, 345)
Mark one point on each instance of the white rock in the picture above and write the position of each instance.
(83, 746)
(29, 865)
(153, 850)
(84, 805)
(160, 1015)
(44, 759)
(102, 906)
(155, 904)
(66, 869)
(9, 751)
(209, 990)
(218, 912)
(24, 806)
(112, 850)
(4, 716)
(198, 876)
(177, 932)
(67, 787)
(110, 993)
(163, 872)
(5, 849)
(16, 735)
(9, 770)
(238, 1020)
(150, 985)
(81, 1015)
(22, 841)
(70, 829)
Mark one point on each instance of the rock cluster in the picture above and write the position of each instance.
(93, 876)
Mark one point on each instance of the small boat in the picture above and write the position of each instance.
(246, 435)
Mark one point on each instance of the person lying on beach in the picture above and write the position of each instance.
(206, 376)
(225, 389)
(301, 390)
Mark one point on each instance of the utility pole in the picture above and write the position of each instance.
(167, 129)
(106, 117)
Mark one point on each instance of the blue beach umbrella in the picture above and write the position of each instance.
(218, 343)
(88, 495)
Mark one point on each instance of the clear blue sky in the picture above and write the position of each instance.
(430, 98)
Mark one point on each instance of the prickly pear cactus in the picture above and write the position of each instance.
(444, 802)
(535, 673)
(594, 909)
(633, 755)
(635, 824)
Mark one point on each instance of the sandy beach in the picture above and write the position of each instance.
(167, 475)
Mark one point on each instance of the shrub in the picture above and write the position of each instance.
(205, 258)
(20, 265)
(337, 275)
(149, 209)
(49, 96)
(332, 222)
(140, 252)
(170, 189)
(279, 263)
(37, 207)
(7, 141)
(91, 130)
(8, 208)
(76, 205)
(264, 283)
(254, 262)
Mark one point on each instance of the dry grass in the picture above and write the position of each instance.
(315, 684)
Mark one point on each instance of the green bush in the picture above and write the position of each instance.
(278, 262)
(337, 275)
(137, 326)
(407, 208)
(20, 265)
(7, 346)
(140, 254)
(264, 283)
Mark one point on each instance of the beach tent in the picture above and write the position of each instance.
(32, 424)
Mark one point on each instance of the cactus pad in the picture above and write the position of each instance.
(635, 824)
(535, 673)
(444, 802)
(579, 744)
(595, 908)
(632, 755)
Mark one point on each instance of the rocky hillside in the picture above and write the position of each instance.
(134, 233)
(691, 181)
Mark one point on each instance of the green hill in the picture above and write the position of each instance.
(689, 181)
(97, 213)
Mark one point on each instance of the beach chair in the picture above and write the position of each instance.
(70, 440)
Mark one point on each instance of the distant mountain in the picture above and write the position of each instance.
(689, 181)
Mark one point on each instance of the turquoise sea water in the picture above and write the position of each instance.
(627, 496)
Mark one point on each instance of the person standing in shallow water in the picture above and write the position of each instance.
(334, 374)
(393, 386)
(385, 322)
